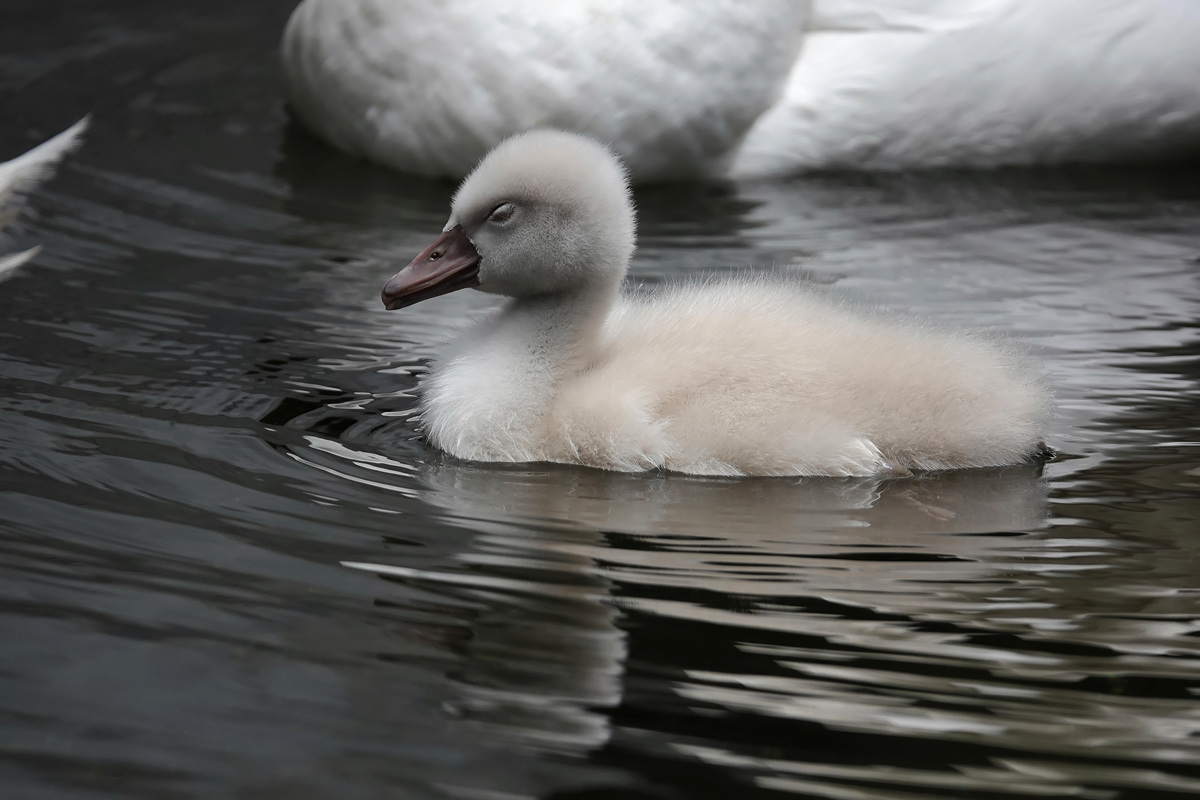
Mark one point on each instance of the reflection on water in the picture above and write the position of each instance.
(910, 609)
(941, 609)
(537, 525)
(230, 567)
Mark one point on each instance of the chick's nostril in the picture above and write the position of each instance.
(436, 254)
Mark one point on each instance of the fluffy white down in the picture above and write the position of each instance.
(751, 88)
(751, 375)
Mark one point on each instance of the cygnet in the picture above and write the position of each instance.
(747, 375)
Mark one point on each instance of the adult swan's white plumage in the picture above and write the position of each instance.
(751, 87)
(744, 376)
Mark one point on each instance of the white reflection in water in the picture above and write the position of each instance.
(899, 586)
(547, 648)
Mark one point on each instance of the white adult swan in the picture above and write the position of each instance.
(747, 88)
(21, 175)
(743, 376)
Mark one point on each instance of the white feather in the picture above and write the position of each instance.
(9, 263)
(23, 174)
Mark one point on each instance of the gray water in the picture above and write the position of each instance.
(229, 567)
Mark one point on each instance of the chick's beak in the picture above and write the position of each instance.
(449, 264)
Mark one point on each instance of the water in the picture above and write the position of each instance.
(230, 568)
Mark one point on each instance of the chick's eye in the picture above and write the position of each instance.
(502, 213)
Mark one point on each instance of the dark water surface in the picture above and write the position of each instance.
(230, 568)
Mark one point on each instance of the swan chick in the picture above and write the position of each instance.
(747, 375)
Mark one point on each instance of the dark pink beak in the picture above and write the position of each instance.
(449, 264)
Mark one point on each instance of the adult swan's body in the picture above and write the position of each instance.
(752, 87)
(745, 376)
